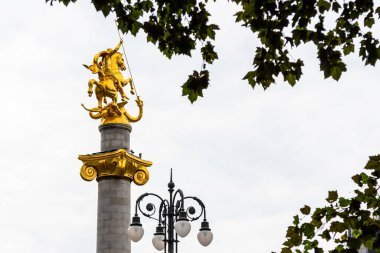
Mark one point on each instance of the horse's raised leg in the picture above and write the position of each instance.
(100, 105)
(90, 85)
(119, 86)
(129, 80)
(99, 97)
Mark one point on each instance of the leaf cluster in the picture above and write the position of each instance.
(176, 27)
(347, 222)
(286, 24)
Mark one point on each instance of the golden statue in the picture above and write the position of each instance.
(108, 65)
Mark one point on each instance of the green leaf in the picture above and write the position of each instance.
(336, 73)
(377, 11)
(348, 48)
(373, 163)
(332, 196)
(208, 53)
(343, 202)
(351, 222)
(250, 76)
(369, 22)
(357, 179)
(364, 177)
(286, 250)
(336, 7)
(296, 220)
(305, 210)
(370, 192)
(195, 84)
(316, 222)
(308, 230)
(323, 6)
(291, 79)
(326, 235)
(211, 31)
(337, 226)
(290, 231)
(317, 216)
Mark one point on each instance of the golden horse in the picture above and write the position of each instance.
(111, 80)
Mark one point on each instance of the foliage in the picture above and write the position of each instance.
(176, 27)
(347, 222)
(195, 84)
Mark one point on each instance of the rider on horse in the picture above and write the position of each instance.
(106, 65)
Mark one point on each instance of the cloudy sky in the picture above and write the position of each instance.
(253, 157)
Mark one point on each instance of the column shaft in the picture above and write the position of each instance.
(114, 204)
(113, 216)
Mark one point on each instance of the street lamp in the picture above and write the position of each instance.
(173, 220)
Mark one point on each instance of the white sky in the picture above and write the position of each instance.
(253, 157)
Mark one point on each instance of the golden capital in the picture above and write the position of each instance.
(118, 164)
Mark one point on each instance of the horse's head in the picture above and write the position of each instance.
(120, 62)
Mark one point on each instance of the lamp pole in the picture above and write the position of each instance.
(173, 219)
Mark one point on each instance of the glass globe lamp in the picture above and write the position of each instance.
(182, 226)
(158, 238)
(135, 231)
(205, 235)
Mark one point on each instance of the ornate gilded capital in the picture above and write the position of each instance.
(119, 164)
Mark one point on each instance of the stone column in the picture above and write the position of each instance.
(114, 193)
(114, 168)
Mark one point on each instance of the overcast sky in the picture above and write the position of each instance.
(253, 157)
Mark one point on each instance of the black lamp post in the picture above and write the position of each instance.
(173, 220)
